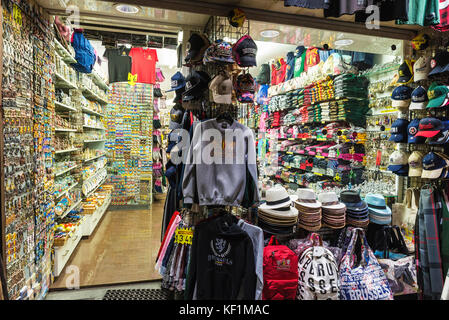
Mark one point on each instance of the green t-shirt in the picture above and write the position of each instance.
(423, 13)
(299, 64)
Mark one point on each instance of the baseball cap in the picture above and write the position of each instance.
(176, 114)
(245, 51)
(399, 131)
(177, 81)
(219, 52)
(419, 99)
(221, 87)
(196, 83)
(406, 72)
(421, 68)
(429, 127)
(442, 137)
(412, 130)
(398, 163)
(440, 63)
(438, 96)
(196, 45)
(401, 97)
(415, 164)
(433, 165)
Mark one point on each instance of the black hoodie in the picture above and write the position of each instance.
(221, 262)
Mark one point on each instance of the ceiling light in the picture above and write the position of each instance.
(126, 8)
(269, 33)
(344, 42)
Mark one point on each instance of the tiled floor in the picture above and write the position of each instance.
(122, 249)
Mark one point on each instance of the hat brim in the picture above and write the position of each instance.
(358, 207)
(315, 205)
(438, 102)
(405, 80)
(420, 76)
(400, 103)
(441, 140)
(397, 137)
(248, 61)
(265, 207)
(339, 206)
(176, 88)
(418, 105)
(436, 70)
(384, 212)
(396, 167)
(431, 174)
(292, 213)
(427, 134)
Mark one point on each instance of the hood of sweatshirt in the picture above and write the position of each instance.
(226, 226)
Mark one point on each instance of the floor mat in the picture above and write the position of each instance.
(138, 294)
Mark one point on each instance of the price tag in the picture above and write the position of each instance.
(183, 235)
(288, 152)
(318, 174)
(320, 157)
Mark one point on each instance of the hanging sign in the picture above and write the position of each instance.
(184, 235)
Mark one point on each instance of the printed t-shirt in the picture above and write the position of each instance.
(299, 64)
(144, 64)
(119, 64)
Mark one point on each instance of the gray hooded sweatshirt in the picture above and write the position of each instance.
(217, 162)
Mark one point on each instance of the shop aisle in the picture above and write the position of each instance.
(122, 249)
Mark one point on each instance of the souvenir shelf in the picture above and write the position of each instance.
(81, 96)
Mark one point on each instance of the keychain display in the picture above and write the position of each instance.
(129, 141)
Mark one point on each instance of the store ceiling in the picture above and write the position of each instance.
(102, 15)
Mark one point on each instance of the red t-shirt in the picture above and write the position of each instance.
(144, 64)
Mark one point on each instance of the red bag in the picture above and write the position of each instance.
(280, 272)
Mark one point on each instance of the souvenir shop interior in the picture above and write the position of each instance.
(226, 156)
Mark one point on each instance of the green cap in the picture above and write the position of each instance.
(438, 96)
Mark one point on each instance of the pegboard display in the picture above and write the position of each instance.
(28, 120)
(129, 141)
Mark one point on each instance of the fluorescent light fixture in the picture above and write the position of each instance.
(126, 8)
(343, 42)
(270, 33)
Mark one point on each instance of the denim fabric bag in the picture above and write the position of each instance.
(365, 281)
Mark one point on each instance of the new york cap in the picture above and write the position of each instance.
(419, 99)
(401, 97)
(177, 81)
(399, 131)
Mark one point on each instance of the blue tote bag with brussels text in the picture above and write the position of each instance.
(367, 281)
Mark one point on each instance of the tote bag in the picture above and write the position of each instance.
(317, 272)
(367, 281)
(404, 214)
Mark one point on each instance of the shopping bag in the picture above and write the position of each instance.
(366, 280)
(404, 214)
(317, 273)
(401, 275)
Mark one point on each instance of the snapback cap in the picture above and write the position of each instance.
(401, 97)
(438, 96)
(421, 68)
(430, 127)
(406, 72)
(440, 63)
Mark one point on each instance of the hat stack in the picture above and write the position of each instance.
(379, 212)
(277, 215)
(356, 210)
(309, 210)
(333, 211)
